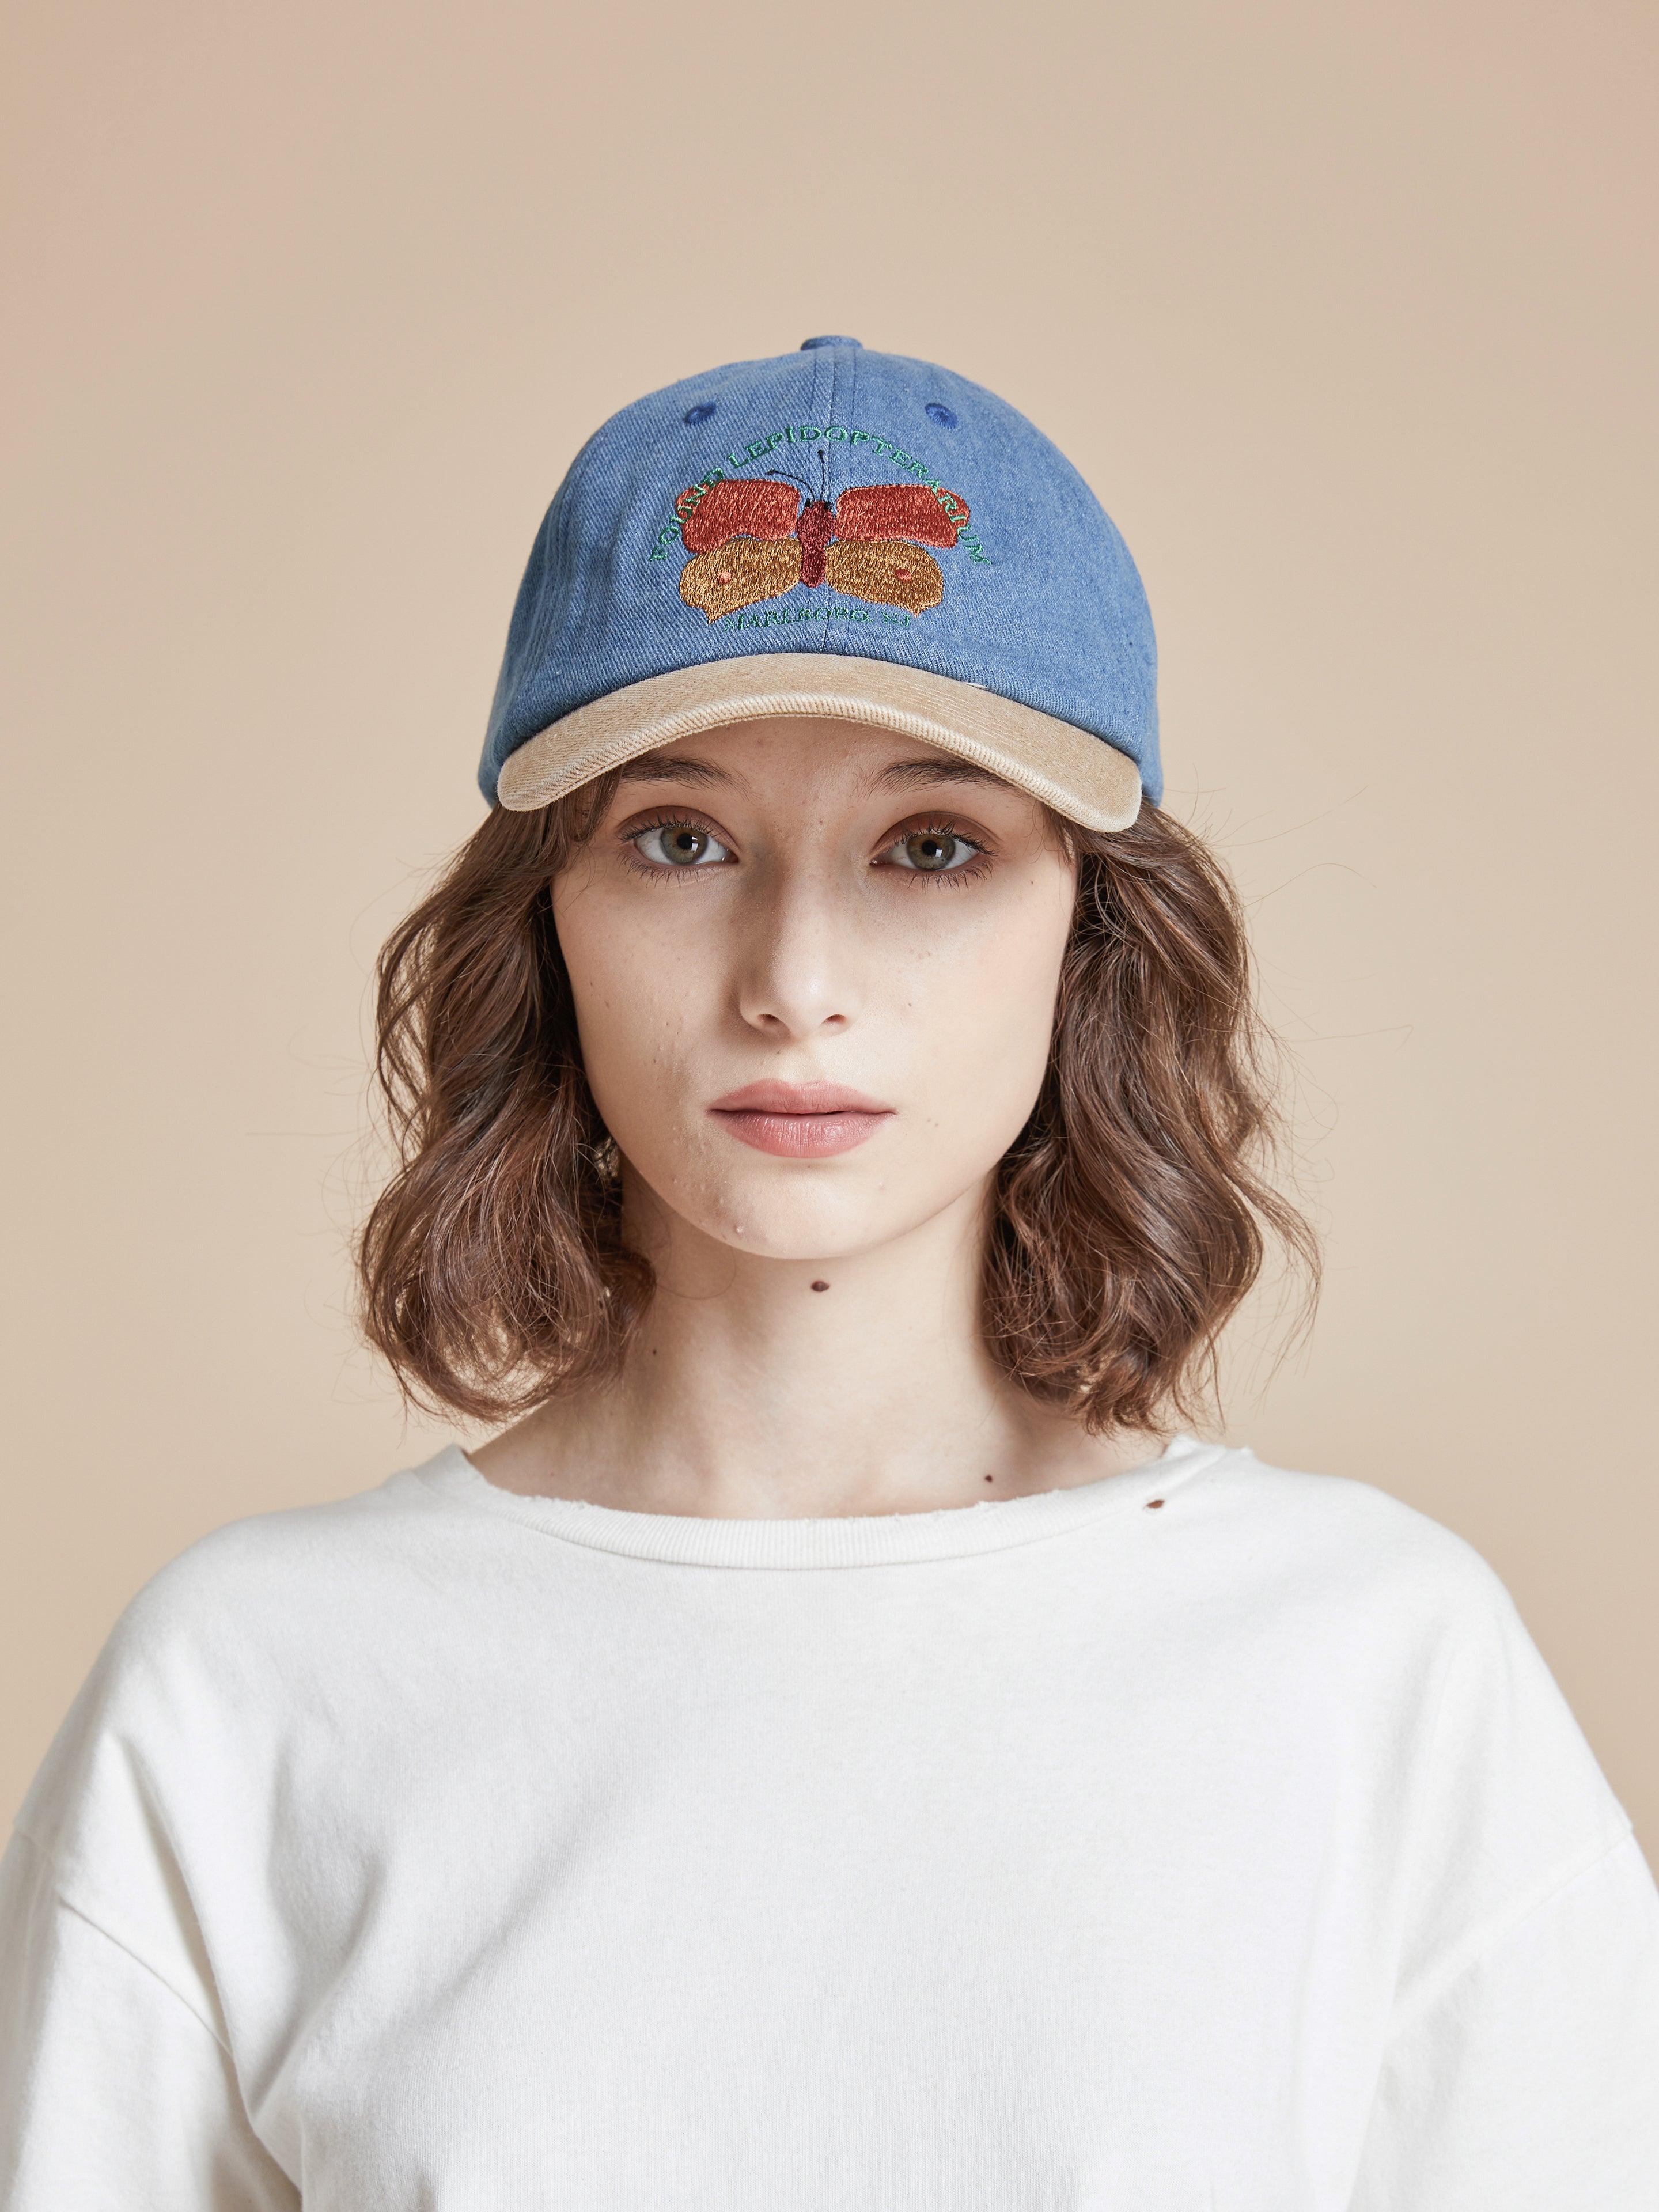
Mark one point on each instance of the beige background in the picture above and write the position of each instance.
(1345, 314)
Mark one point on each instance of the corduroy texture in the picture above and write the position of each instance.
(1091, 784)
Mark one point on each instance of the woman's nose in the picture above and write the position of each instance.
(798, 975)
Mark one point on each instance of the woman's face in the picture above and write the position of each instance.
(814, 969)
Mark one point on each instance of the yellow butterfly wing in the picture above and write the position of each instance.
(739, 573)
(888, 570)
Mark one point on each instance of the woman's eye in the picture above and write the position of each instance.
(679, 845)
(931, 852)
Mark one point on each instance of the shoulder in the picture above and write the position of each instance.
(1348, 1542)
(235, 1629)
(274, 1574)
(1390, 1614)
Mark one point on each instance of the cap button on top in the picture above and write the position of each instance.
(807, 344)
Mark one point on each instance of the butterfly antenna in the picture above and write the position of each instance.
(789, 476)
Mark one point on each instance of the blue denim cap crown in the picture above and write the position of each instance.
(712, 521)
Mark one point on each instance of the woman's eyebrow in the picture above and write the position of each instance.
(936, 771)
(659, 768)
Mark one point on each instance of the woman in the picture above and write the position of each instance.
(838, 1748)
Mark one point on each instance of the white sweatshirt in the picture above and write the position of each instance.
(1205, 1840)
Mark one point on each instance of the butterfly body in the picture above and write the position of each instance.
(815, 529)
(754, 539)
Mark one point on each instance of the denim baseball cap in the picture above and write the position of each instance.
(831, 532)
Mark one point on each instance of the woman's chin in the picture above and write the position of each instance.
(786, 1212)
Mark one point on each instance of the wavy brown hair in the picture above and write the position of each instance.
(1130, 1217)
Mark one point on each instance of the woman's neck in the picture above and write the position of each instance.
(748, 1393)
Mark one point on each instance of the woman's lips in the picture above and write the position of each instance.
(800, 1121)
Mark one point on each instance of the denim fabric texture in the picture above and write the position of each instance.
(1041, 601)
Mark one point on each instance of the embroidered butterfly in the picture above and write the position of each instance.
(752, 539)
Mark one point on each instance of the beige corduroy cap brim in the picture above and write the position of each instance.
(1079, 775)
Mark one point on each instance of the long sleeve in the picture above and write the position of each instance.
(115, 2095)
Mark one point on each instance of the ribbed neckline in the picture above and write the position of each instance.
(848, 1541)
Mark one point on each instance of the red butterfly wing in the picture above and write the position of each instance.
(737, 507)
(928, 518)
